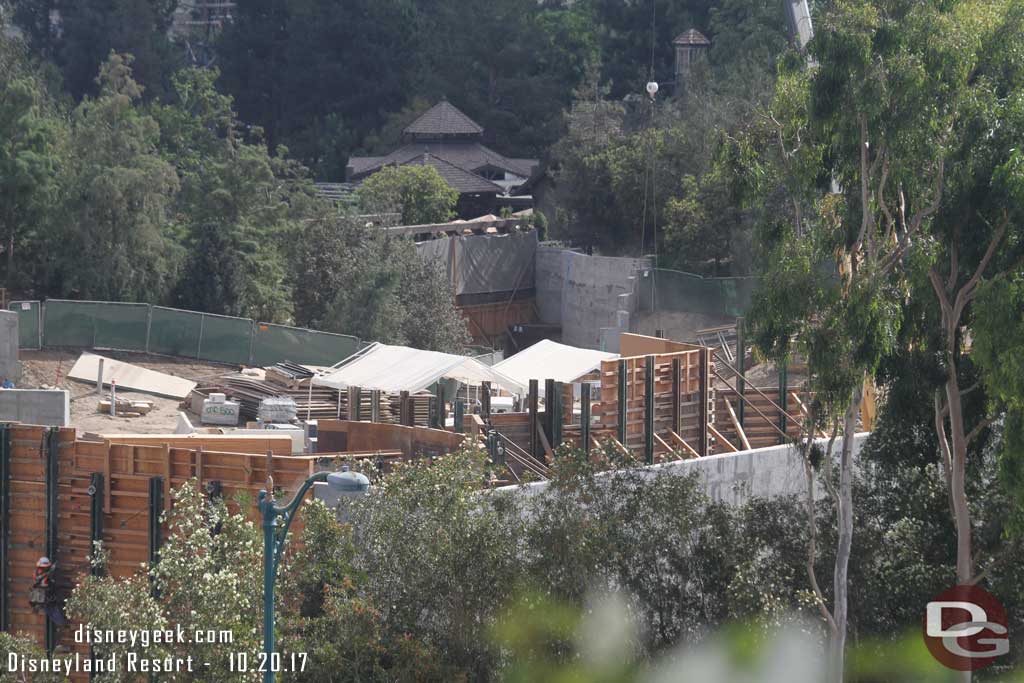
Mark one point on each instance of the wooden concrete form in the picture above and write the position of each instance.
(61, 493)
(278, 444)
(344, 436)
(488, 323)
(677, 399)
(759, 431)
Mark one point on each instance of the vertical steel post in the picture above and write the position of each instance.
(585, 418)
(355, 404)
(677, 398)
(149, 324)
(156, 506)
(623, 400)
(442, 407)
(485, 401)
(95, 515)
(741, 367)
(705, 396)
(532, 410)
(550, 411)
(460, 412)
(783, 391)
(269, 515)
(5, 525)
(199, 341)
(51, 445)
(649, 410)
(554, 407)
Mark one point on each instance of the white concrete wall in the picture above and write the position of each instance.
(49, 407)
(736, 477)
(587, 295)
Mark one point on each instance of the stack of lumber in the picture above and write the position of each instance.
(319, 403)
(420, 408)
(294, 381)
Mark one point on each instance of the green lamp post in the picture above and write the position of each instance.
(277, 519)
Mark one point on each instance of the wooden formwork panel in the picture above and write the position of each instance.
(124, 499)
(689, 391)
(762, 429)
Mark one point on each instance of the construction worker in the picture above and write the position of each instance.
(39, 596)
(42, 595)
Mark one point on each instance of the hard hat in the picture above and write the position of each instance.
(43, 562)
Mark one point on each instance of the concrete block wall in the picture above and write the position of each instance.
(591, 297)
(10, 366)
(48, 407)
(734, 478)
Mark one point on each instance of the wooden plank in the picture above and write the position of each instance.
(737, 426)
(280, 444)
(544, 443)
(682, 442)
(725, 442)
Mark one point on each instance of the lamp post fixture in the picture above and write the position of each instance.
(277, 519)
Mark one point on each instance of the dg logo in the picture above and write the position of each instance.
(965, 628)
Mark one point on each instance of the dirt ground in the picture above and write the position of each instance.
(48, 369)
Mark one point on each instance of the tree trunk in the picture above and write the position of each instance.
(845, 536)
(958, 490)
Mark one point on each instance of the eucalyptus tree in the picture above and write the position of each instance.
(889, 82)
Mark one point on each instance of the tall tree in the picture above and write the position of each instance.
(892, 84)
(31, 132)
(353, 279)
(88, 31)
(233, 207)
(418, 193)
(976, 257)
(112, 238)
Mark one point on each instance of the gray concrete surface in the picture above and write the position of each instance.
(49, 407)
(589, 296)
(734, 478)
(10, 366)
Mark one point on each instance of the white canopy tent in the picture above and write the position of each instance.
(550, 360)
(400, 368)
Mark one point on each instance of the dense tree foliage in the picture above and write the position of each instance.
(418, 194)
(78, 37)
(176, 202)
(350, 278)
(431, 576)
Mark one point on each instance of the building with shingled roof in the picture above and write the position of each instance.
(690, 46)
(446, 139)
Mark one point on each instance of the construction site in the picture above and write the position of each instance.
(96, 438)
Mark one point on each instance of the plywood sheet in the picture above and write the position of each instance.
(130, 377)
(641, 345)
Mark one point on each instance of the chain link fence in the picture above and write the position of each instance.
(673, 290)
(58, 323)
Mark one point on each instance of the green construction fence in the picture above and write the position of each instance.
(58, 323)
